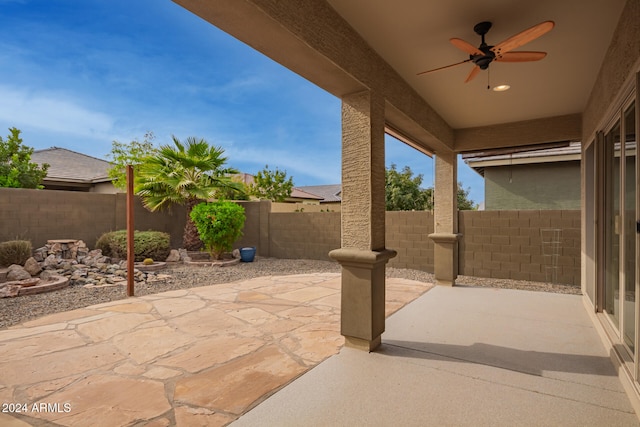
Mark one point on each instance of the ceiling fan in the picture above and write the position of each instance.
(484, 54)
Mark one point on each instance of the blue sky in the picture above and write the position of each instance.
(80, 74)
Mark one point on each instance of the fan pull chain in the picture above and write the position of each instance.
(488, 78)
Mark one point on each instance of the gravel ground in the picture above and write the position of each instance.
(21, 309)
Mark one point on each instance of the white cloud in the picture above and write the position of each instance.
(52, 112)
(323, 166)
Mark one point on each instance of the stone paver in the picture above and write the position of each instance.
(194, 357)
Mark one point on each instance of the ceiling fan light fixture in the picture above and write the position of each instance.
(501, 88)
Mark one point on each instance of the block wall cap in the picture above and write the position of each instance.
(445, 237)
(359, 256)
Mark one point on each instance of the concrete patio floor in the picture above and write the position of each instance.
(464, 356)
(218, 354)
(201, 356)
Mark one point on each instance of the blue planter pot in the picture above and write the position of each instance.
(247, 254)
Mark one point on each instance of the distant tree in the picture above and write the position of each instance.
(186, 173)
(123, 154)
(403, 191)
(464, 202)
(16, 168)
(271, 185)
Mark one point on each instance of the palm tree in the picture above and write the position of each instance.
(187, 174)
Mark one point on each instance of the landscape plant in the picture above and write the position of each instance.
(16, 168)
(146, 244)
(123, 154)
(219, 225)
(271, 185)
(15, 252)
(183, 174)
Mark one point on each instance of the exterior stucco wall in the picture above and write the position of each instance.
(618, 75)
(545, 186)
(618, 68)
(104, 188)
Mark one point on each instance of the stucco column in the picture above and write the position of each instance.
(363, 254)
(445, 219)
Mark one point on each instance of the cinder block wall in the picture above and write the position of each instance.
(304, 235)
(41, 215)
(256, 226)
(509, 244)
(407, 233)
(499, 244)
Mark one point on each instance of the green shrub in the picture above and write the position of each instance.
(219, 225)
(146, 244)
(14, 252)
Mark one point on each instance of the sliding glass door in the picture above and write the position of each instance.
(620, 218)
(629, 232)
(612, 224)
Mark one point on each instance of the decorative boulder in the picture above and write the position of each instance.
(8, 291)
(17, 272)
(174, 256)
(32, 267)
(47, 275)
(41, 253)
(50, 262)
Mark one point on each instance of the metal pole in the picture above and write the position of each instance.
(130, 228)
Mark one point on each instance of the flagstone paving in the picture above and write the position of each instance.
(202, 356)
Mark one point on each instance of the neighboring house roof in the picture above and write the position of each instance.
(70, 166)
(297, 193)
(565, 152)
(328, 193)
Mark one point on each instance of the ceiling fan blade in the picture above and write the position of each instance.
(442, 68)
(466, 47)
(523, 37)
(520, 56)
(474, 72)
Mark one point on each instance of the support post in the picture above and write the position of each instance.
(363, 255)
(445, 237)
(130, 233)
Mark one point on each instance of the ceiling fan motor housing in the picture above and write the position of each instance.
(483, 61)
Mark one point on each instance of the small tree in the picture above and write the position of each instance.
(219, 225)
(123, 154)
(16, 168)
(271, 185)
(186, 173)
(403, 191)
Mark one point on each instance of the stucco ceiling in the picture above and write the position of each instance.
(413, 36)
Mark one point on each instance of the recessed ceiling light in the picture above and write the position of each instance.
(501, 88)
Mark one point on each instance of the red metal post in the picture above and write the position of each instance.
(130, 228)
